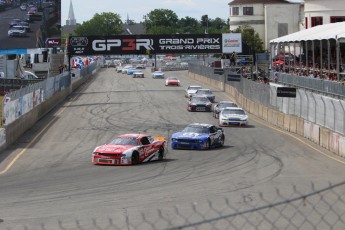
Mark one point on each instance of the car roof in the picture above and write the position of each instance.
(221, 102)
(133, 135)
(233, 108)
(194, 86)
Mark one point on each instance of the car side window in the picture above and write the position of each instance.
(213, 129)
(144, 141)
(151, 139)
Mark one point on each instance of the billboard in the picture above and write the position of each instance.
(151, 44)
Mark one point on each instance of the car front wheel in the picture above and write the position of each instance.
(135, 158)
(208, 144)
(161, 153)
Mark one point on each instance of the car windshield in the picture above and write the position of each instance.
(193, 87)
(125, 141)
(227, 104)
(233, 112)
(196, 129)
(203, 92)
(200, 99)
(172, 78)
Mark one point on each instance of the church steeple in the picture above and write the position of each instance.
(71, 19)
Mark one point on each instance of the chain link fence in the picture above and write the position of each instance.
(291, 207)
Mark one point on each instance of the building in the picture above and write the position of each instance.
(128, 28)
(269, 18)
(71, 22)
(320, 12)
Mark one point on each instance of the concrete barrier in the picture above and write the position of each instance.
(17, 128)
(334, 142)
(324, 138)
(300, 126)
(280, 120)
(341, 146)
(293, 124)
(286, 122)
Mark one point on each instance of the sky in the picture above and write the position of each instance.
(84, 10)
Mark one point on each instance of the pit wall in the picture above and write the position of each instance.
(324, 137)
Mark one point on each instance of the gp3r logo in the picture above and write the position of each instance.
(122, 44)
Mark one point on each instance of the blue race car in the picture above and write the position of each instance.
(158, 74)
(198, 136)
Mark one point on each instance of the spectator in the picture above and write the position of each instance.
(275, 77)
(233, 58)
(61, 67)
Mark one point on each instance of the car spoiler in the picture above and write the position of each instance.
(159, 138)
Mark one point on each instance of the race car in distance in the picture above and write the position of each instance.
(130, 71)
(140, 66)
(190, 91)
(199, 104)
(130, 149)
(207, 93)
(138, 74)
(158, 74)
(233, 116)
(125, 69)
(172, 81)
(220, 106)
(198, 136)
(119, 69)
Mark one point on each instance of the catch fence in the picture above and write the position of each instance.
(310, 207)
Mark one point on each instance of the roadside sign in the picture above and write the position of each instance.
(218, 71)
(286, 92)
(53, 42)
(234, 77)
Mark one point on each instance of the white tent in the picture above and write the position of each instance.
(328, 31)
(332, 31)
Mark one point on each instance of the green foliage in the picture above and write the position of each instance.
(251, 38)
(189, 25)
(161, 21)
(103, 24)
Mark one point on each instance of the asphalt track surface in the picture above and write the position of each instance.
(51, 183)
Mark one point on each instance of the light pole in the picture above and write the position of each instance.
(206, 18)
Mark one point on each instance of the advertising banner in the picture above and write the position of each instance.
(154, 44)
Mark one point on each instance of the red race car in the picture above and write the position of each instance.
(130, 149)
(172, 81)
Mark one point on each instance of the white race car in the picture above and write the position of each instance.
(191, 90)
(233, 116)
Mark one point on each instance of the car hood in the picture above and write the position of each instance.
(190, 135)
(116, 149)
(234, 116)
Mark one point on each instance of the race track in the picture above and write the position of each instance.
(53, 183)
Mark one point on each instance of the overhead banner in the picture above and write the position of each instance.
(149, 44)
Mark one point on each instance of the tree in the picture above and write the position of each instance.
(103, 24)
(189, 25)
(161, 21)
(251, 39)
